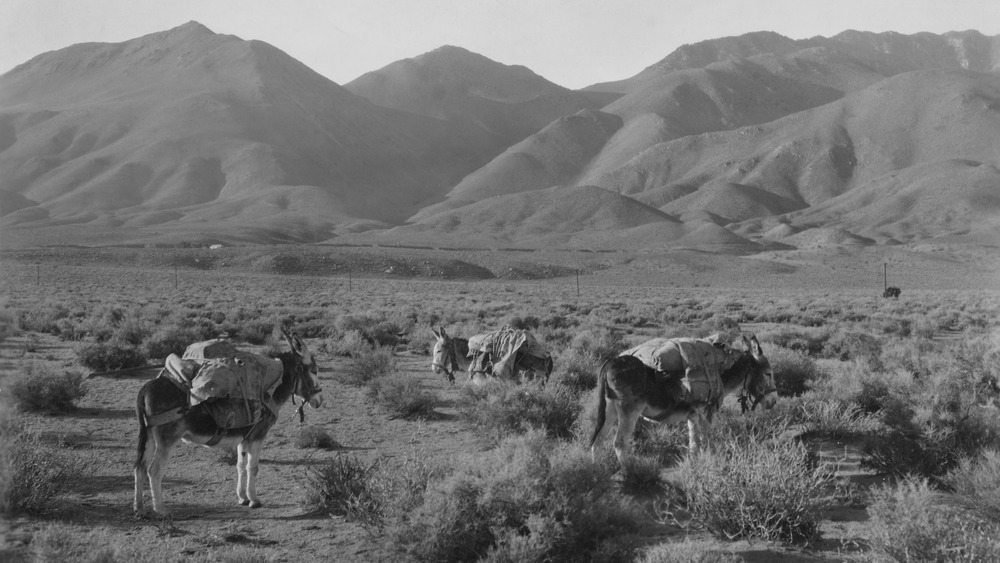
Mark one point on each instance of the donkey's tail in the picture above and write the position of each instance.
(602, 403)
(140, 450)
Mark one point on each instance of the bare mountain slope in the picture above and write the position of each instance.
(933, 199)
(886, 53)
(921, 119)
(553, 156)
(214, 129)
(451, 83)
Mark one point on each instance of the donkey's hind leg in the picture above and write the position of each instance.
(627, 418)
(156, 466)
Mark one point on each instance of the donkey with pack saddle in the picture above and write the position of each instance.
(506, 353)
(681, 379)
(218, 396)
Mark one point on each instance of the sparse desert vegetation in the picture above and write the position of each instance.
(887, 427)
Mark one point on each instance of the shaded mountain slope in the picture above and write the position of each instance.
(192, 121)
(553, 156)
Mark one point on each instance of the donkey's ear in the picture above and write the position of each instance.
(288, 338)
(746, 343)
(435, 331)
(755, 348)
(444, 335)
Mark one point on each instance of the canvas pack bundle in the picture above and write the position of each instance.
(502, 346)
(699, 362)
(227, 372)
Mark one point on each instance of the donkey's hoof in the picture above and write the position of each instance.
(244, 502)
(255, 504)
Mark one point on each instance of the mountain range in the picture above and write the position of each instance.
(731, 144)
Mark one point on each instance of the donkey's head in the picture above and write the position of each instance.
(441, 358)
(306, 373)
(758, 384)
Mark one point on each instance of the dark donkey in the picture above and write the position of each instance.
(164, 414)
(630, 389)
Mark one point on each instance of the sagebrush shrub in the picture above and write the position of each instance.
(403, 395)
(501, 409)
(368, 364)
(855, 346)
(976, 480)
(110, 355)
(688, 551)
(32, 474)
(577, 370)
(640, 474)
(171, 340)
(909, 522)
(36, 388)
(749, 489)
(342, 487)
(930, 448)
(532, 498)
(315, 437)
(794, 371)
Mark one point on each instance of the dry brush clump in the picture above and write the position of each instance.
(530, 499)
(37, 388)
(976, 481)
(912, 522)
(315, 437)
(370, 493)
(500, 409)
(747, 488)
(403, 396)
(688, 551)
(33, 474)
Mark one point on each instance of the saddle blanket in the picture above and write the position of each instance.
(700, 363)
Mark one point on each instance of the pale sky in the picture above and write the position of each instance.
(573, 43)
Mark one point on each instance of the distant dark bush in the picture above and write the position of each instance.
(793, 371)
(315, 437)
(859, 346)
(38, 389)
(166, 341)
(110, 355)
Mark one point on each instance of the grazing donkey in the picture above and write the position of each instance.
(629, 389)
(450, 354)
(165, 414)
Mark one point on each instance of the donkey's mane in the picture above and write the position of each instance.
(288, 364)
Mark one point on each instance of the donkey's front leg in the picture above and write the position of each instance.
(697, 424)
(252, 462)
(242, 457)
